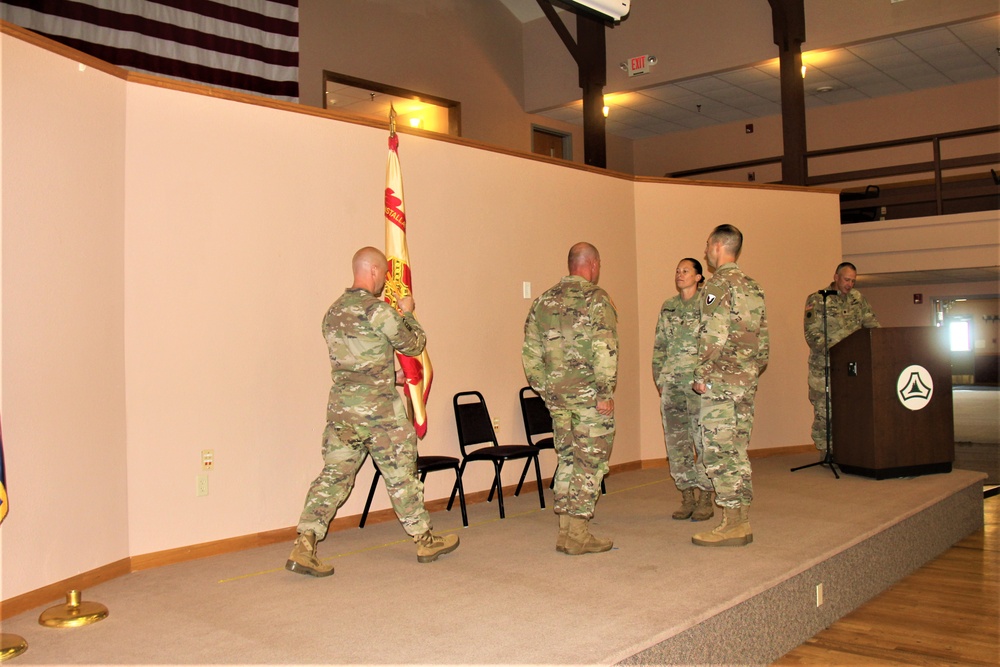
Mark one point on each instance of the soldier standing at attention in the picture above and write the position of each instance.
(570, 359)
(732, 351)
(675, 354)
(365, 415)
(846, 312)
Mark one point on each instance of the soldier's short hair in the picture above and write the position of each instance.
(730, 237)
(697, 268)
(580, 253)
(846, 265)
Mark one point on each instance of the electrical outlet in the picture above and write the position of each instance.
(819, 595)
(202, 485)
(496, 424)
(207, 459)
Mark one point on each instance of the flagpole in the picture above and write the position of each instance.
(418, 370)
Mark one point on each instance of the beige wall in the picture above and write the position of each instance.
(62, 368)
(924, 244)
(168, 256)
(674, 222)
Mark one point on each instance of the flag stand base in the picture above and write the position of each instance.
(11, 646)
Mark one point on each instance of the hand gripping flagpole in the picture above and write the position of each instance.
(399, 281)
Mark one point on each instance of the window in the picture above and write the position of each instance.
(960, 334)
(371, 100)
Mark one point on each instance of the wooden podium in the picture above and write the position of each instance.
(891, 402)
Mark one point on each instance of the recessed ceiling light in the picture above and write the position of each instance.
(824, 89)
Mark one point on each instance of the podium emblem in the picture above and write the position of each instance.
(915, 387)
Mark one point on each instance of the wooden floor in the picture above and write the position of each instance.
(945, 613)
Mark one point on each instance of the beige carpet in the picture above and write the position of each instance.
(505, 597)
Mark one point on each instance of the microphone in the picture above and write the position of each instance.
(827, 292)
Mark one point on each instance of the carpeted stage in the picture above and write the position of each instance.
(507, 597)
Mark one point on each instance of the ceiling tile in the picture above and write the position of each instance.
(927, 39)
(987, 28)
(745, 76)
(703, 85)
(929, 81)
(882, 88)
(880, 48)
(974, 73)
(769, 90)
(886, 66)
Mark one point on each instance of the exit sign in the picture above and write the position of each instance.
(638, 65)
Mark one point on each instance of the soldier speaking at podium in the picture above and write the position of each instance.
(846, 311)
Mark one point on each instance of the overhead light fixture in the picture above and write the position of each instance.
(416, 122)
(615, 10)
(824, 89)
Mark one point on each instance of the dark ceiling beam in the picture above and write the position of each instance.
(590, 53)
(788, 18)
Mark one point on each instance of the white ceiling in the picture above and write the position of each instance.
(927, 59)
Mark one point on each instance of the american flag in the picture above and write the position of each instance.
(244, 45)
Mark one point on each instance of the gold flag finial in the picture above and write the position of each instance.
(392, 120)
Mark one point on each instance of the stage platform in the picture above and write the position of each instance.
(507, 597)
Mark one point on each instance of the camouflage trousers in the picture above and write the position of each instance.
(583, 439)
(679, 408)
(817, 396)
(392, 443)
(726, 423)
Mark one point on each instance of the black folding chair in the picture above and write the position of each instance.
(478, 442)
(425, 464)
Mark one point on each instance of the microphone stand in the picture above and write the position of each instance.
(828, 458)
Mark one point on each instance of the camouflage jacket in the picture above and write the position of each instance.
(361, 332)
(846, 313)
(570, 352)
(733, 345)
(675, 347)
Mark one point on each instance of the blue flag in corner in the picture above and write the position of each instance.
(3, 485)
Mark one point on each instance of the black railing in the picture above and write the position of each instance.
(933, 196)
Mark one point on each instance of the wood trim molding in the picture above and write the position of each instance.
(57, 591)
(52, 593)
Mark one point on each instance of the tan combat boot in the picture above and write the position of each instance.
(563, 530)
(704, 509)
(734, 531)
(303, 558)
(579, 540)
(430, 546)
(687, 505)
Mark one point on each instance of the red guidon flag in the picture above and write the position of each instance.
(418, 370)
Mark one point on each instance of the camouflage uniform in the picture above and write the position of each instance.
(675, 354)
(846, 314)
(570, 358)
(733, 349)
(365, 414)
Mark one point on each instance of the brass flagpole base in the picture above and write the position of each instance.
(74, 613)
(11, 646)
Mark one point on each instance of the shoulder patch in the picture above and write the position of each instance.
(709, 299)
